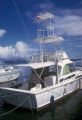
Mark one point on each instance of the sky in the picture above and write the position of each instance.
(18, 27)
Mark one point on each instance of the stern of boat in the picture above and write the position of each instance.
(18, 98)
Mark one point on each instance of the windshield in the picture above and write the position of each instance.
(53, 70)
(68, 68)
(37, 76)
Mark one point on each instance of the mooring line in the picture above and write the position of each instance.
(6, 113)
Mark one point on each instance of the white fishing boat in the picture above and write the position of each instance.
(8, 76)
(48, 82)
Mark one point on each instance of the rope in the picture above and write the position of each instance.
(7, 95)
(42, 72)
(20, 16)
(39, 77)
(31, 105)
(6, 113)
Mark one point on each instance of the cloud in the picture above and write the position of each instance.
(6, 52)
(2, 32)
(77, 11)
(20, 51)
(70, 25)
(46, 5)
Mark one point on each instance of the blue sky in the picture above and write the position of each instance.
(18, 25)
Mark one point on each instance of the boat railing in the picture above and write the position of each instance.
(37, 58)
(47, 57)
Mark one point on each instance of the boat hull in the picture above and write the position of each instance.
(40, 99)
(8, 79)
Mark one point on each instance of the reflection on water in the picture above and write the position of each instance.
(67, 109)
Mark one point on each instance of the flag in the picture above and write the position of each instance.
(45, 16)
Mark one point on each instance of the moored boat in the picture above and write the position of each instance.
(8, 76)
(48, 82)
(44, 85)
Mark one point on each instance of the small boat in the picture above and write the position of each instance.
(48, 82)
(8, 76)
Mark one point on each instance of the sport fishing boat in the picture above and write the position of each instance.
(48, 82)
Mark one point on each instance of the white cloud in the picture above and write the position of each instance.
(2, 32)
(6, 52)
(66, 11)
(20, 50)
(70, 25)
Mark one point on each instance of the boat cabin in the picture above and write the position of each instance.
(45, 74)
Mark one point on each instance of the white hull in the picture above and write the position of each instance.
(7, 78)
(38, 100)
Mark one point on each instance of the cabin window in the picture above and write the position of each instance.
(52, 69)
(68, 69)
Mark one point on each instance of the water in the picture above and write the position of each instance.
(69, 108)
